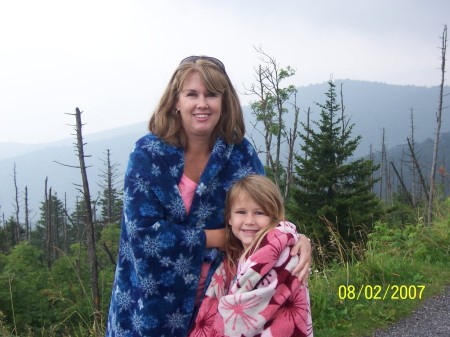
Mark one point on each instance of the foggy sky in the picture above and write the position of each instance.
(112, 59)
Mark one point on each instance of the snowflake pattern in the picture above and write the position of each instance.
(155, 171)
(127, 251)
(153, 147)
(132, 229)
(170, 297)
(137, 321)
(127, 198)
(151, 246)
(204, 211)
(191, 238)
(121, 332)
(190, 279)
(160, 250)
(124, 300)
(165, 261)
(201, 189)
(140, 184)
(176, 208)
(149, 286)
(182, 265)
(175, 320)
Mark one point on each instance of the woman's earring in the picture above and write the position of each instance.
(178, 112)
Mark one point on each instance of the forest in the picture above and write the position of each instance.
(369, 223)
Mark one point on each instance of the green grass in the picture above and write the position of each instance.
(413, 256)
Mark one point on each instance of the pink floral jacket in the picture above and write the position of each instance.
(266, 299)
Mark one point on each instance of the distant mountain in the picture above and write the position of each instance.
(34, 164)
(371, 106)
(400, 157)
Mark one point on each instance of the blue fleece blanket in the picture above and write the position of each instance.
(162, 248)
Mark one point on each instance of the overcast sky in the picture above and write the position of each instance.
(114, 58)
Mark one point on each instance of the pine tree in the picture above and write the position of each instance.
(110, 199)
(328, 185)
(49, 230)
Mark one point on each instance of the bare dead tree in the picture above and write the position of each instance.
(17, 208)
(413, 170)
(90, 230)
(27, 217)
(270, 109)
(438, 127)
(383, 163)
(88, 218)
(419, 171)
(48, 223)
(292, 135)
(345, 121)
(263, 111)
(65, 238)
(372, 157)
(404, 189)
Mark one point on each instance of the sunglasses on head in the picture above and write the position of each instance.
(194, 59)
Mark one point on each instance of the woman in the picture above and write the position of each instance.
(174, 189)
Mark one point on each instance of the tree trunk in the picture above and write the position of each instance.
(48, 223)
(90, 230)
(419, 171)
(438, 129)
(291, 139)
(17, 226)
(27, 217)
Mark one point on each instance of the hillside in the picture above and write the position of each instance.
(371, 107)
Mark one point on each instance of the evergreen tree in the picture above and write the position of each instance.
(49, 232)
(7, 237)
(329, 187)
(110, 199)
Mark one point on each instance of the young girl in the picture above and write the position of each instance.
(253, 292)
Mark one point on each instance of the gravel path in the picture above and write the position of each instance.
(431, 319)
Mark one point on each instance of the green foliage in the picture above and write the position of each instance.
(412, 256)
(22, 282)
(110, 199)
(7, 239)
(328, 186)
(35, 300)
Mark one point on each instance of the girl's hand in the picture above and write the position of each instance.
(304, 250)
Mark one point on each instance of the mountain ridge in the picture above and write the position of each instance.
(370, 106)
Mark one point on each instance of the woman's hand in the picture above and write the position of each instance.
(304, 250)
(215, 238)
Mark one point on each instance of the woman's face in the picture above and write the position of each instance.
(200, 109)
(247, 218)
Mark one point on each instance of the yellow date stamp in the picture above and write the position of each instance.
(379, 292)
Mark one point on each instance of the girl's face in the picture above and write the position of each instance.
(200, 109)
(247, 218)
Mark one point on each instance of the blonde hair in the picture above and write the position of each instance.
(166, 123)
(264, 193)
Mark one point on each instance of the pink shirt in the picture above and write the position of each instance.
(187, 189)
